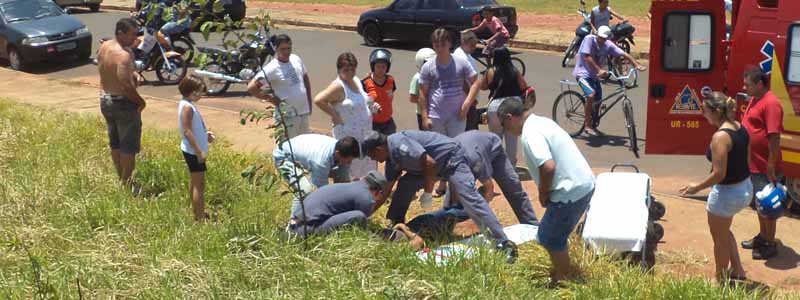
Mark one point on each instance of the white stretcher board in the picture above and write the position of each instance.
(467, 248)
(617, 218)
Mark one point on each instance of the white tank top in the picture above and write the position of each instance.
(198, 129)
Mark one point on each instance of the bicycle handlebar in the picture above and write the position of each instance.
(613, 76)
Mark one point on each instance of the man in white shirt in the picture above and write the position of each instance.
(284, 80)
(563, 177)
(469, 42)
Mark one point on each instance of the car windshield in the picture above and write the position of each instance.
(21, 10)
(473, 3)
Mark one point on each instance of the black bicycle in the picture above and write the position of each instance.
(481, 58)
(568, 108)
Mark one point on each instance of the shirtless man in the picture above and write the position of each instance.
(120, 103)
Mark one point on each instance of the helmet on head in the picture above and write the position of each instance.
(423, 55)
(486, 8)
(770, 200)
(380, 55)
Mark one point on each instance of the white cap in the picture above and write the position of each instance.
(604, 32)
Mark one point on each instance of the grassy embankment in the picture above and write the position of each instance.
(65, 223)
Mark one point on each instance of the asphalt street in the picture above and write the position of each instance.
(319, 50)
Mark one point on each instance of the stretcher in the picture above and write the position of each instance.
(622, 214)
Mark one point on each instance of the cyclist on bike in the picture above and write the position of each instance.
(589, 68)
(601, 15)
(500, 35)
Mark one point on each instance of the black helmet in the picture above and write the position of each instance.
(380, 55)
(486, 7)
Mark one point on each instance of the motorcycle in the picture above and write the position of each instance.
(150, 55)
(584, 29)
(235, 66)
(181, 42)
(622, 35)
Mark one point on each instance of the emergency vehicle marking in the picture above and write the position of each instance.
(767, 50)
(686, 103)
(791, 122)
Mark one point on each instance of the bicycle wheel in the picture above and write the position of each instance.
(570, 53)
(519, 65)
(568, 112)
(627, 108)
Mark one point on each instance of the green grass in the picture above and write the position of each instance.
(625, 7)
(64, 219)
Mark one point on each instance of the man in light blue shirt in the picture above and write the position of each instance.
(319, 155)
(563, 177)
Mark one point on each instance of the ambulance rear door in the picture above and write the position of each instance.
(687, 57)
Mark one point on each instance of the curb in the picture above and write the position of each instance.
(513, 43)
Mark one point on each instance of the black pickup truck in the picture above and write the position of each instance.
(415, 20)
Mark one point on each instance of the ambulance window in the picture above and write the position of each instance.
(794, 55)
(687, 42)
(768, 3)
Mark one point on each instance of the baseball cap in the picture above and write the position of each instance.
(376, 178)
(604, 31)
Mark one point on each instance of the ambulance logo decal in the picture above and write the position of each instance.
(686, 103)
(766, 50)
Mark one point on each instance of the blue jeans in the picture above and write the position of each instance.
(558, 222)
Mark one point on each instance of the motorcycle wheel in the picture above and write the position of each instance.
(172, 74)
(216, 87)
(624, 45)
(184, 47)
(570, 53)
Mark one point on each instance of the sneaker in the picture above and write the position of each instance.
(509, 249)
(752, 243)
(591, 132)
(766, 251)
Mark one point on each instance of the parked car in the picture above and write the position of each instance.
(415, 20)
(39, 30)
(94, 5)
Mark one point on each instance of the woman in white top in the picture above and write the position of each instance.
(194, 140)
(350, 109)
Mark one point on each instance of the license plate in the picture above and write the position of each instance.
(503, 19)
(66, 46)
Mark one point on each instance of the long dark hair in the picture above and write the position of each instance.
(504, 70)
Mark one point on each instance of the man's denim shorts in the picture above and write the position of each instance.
(558, 222)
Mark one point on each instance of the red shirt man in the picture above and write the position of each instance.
(763, 117)
(764, 122)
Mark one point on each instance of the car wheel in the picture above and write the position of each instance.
(94, 7)
(15, 60)
(372, 35)
(84, 56)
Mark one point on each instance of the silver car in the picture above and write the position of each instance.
(94, 5)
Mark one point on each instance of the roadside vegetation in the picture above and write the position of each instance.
(68, 230)
(636, 8)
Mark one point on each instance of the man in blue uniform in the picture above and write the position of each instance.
(426, 157)
(337, 205)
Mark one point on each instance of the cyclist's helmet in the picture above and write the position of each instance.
(423, 55)
(380, 55)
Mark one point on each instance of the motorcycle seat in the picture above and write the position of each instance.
(216, 51)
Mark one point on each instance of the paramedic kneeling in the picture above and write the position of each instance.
(337, 205)
(562, 175)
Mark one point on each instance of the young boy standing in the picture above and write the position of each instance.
(195, 138)
(380, 86)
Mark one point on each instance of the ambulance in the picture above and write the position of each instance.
(696, 48)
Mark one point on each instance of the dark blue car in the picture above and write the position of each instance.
(38, 30)
(415, 20)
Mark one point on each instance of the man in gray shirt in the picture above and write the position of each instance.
(337, 205)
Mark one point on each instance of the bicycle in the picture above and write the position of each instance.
(482, 59)
(568, 108)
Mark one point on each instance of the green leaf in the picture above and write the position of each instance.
(218, 8)
(206, 29)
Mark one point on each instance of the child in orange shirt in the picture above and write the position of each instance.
(380, 86)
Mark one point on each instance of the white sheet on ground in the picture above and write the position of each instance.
(617, 217)
(466, 248)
